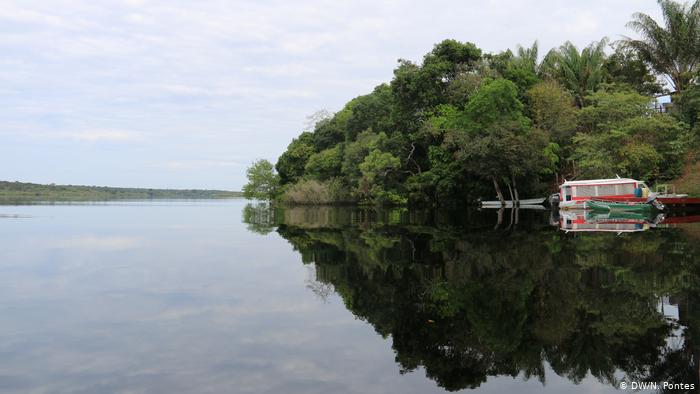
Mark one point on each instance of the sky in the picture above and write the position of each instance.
(186, 94)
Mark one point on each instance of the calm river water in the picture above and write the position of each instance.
(225, 297)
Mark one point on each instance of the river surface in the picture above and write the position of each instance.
(227, 297)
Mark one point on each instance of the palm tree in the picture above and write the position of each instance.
(674, 50)
(579, 72)
(527, 57)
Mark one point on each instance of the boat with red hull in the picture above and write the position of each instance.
(574, 194)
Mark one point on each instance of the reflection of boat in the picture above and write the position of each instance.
(509, 203)
(610, 221)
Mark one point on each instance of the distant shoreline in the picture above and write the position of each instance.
(21, 191)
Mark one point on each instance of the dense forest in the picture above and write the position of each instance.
(20, 191)
(464, 124)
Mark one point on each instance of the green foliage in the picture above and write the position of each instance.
(641, 159)
(378, 169)
(605, 111)
(686, 105)
(495, 101)
(625, 67)
(579, 72)
(325, 164)
(263, 181)
(356, 151)
(553, 111)
(417, 89)
(330, 132)
(370, 112)
(290, 165)
(378, 165)
(622, 135)
(522, 69)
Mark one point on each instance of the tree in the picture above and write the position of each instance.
(263, 181)
(552, 109)
(621, 134)
(626, 68)
(417, 89)
(290, 165)
(371, 111)
(673, 50)
(325, 164)
(579, 72)
(377, 169)
(495, 101)
(522, 69)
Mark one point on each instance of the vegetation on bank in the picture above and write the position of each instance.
(19, 191)
(464, 124)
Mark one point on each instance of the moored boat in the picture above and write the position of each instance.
(575, 194)
(509, 203)
(618, 206)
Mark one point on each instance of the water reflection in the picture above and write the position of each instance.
(470, 295)
(618, 222)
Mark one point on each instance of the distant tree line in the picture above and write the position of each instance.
(20, 191)
(463, 124)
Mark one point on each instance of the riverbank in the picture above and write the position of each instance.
(21, 191)
(689, 182)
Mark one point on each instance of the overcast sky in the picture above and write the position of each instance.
(186, 94)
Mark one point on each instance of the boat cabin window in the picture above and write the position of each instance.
(625, 188)
(586, 191)
(567, 193)
(607, 190)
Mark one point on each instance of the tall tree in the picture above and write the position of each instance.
(674, 49)
(579, 72)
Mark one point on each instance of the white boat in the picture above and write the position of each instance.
(574, 194)
(510, 204)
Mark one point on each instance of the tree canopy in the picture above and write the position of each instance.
(263, 181)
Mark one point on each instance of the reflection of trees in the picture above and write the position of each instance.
(466, 302)
(259, 217)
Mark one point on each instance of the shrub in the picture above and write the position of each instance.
(315, 192)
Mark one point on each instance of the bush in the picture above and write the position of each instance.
(315, 192)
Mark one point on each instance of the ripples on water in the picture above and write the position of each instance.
(219, 296)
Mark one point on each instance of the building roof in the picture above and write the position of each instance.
(592, 182)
